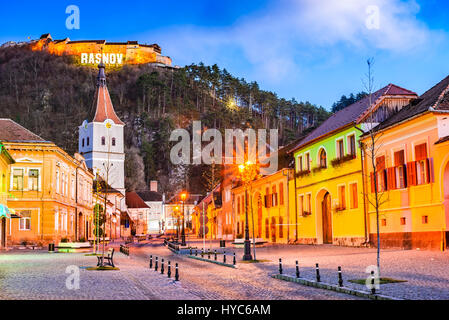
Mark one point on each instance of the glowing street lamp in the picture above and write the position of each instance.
(183, 196)
(248, 172)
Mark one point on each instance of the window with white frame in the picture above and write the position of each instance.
(56, 220)
(25, 220)
(57, 181)
(340, 148)
(17, 179)
(33, 179)
(307, 164)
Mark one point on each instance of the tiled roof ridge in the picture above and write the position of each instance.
(410, 91)
(27, 130)
(440, 97)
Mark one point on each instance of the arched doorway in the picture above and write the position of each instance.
(327, 218)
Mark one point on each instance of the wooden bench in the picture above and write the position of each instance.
(108, 258)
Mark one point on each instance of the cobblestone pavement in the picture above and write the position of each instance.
(214, 282)
(426, 272)
(42, 275)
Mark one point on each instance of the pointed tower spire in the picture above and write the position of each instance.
(104, 108)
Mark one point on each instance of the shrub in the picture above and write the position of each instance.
(64, 240)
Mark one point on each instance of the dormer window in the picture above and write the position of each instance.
(113, 141)
(103, 141)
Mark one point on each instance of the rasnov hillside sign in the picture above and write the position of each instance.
(108, 58)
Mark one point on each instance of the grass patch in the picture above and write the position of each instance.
(93, 254)
(382, 281)
(255, 261)
(101, 268)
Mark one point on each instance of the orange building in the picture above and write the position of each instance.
(412, 173)
(90, 52)
(45, 189)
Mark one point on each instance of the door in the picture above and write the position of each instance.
(3, 233)
(327, 218)
(273, 229)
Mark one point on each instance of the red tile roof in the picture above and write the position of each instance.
(352, 113)
(104, 108)
(13, 132)
(134, 201)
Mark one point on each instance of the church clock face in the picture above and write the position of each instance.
(84, 125)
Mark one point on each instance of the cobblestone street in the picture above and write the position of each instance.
(42, 275)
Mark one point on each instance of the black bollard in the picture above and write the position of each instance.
(155, 264)
(224, 257)
(151, 262)
(215, 255)
(297, 269)
(233, 260)
(318, 278)
(202, 253)
(340, 278)
(162, 266)
(196, 252)
(176, 273)
(280, 266)
(190, 251)
(169, 270)
(208, 254)
(373, 289)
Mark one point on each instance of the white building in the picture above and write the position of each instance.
(101, 141)
(155, 202)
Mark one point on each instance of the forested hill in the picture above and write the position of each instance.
(51, 96)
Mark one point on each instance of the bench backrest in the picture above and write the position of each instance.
(110, 252)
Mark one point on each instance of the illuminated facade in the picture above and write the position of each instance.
(90, 52)
(329, 181)
(5, 214)
(412, 169)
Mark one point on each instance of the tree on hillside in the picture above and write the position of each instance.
(346, 101)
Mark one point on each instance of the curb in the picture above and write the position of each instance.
(213, 261)
(331, 287)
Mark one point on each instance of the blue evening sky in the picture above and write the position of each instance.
(312, 50)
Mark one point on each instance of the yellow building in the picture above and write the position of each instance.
(43, 189)
(270, 213)
(412, 174)
(5, 214)
(329, 180)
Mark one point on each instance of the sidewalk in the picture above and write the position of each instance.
(426, 272)
(42, 275)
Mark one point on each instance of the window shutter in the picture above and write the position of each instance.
(372, 182)
(411, 173)
(421, 152)
(391, 178)
(265, 202)
(399, 158)
(430, 171)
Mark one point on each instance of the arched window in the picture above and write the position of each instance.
(88, 140)
(113, 141)
(103, 141)
(323, 159)
(82, 143)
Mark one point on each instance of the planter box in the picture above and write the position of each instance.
(74, 247)
(240, 243)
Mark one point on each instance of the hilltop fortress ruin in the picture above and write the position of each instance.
(91, 52)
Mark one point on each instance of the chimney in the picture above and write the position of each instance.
(153, 185)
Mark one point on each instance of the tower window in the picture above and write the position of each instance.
(82, 143)
(113, 141)
(103, 141)
(87, 141)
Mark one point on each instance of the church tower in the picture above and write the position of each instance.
(101, 141)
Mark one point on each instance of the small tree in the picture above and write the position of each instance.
(376, 198)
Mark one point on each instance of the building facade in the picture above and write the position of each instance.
(5, 213)
(42, 188)
(412, 174)
(329, 184)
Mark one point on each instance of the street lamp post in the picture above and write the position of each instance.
(248, 172)
(183, 232)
